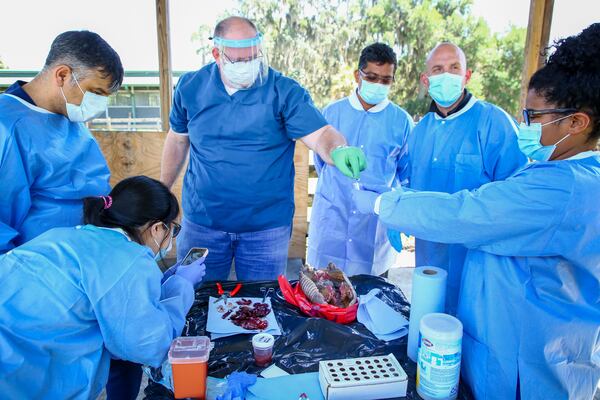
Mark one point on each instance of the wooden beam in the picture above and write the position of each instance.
(164, 61)
(538, 34)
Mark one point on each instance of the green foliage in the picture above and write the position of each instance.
(2, 65)
(317, 42)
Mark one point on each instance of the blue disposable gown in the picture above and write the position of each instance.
(47, 164)
(74, 297)
(355, 242)
(530, 304)
(465, 150)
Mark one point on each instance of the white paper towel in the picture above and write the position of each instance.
(428, 296)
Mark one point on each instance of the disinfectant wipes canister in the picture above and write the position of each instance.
(438, 365)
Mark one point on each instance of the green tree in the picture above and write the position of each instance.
(502, 73)
(317, 42)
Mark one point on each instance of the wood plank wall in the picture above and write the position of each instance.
(139, 153)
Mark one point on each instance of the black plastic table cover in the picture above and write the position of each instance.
(304, 341)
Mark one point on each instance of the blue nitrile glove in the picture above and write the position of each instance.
(237, 386)
(365, 196)
(364, 201)
(193, 272)
(395, 239)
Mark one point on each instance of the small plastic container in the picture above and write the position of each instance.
(188, 357)
(262, 344)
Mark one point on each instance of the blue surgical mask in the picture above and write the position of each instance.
(163, 252)
(529, 139)
(445, 88)
(242, 74)
(373, 93)
(91, 105)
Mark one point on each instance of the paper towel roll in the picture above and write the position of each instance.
(428, 296)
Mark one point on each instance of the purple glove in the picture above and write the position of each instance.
(193, 272)
(364, 201)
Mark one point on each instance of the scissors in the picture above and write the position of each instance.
(225, 295)
(266, 292)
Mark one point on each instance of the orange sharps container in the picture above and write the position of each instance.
(189, 360)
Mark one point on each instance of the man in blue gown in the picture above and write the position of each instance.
(461, 143)
(355, 242)
(49, 160)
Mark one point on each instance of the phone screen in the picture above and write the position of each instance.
(194, 254)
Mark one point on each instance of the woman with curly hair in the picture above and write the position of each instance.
(531, 300)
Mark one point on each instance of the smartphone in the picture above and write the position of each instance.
(194, 254)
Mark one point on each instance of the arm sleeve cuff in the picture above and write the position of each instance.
(377, 204)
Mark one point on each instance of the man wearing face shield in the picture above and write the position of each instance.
(355, 242)
(461, 143)
(49, 159)
(238, 120)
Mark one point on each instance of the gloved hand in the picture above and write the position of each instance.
(193, 272)
(237, 386)
(395, 239)
(349, 160)
(364, 200)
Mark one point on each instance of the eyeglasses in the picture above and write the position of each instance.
(258, 56)
(176, 228)
(528, 113)
(374, 78)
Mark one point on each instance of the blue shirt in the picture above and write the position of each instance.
(16, 89)
(240, 176)
(52, 163)
(357, 243)
(465, 150)
(72, 298)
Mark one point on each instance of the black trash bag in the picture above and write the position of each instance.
(304, 341)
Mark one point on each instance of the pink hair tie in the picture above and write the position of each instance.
(107, 201)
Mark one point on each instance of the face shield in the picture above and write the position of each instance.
(244, 63)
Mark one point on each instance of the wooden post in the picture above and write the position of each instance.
(538, 34)
(164, 61)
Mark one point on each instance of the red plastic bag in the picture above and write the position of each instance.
(295, 296)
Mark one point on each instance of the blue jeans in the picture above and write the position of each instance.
(258, 255)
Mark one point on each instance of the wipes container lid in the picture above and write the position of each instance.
(441, 327)
(189, 350)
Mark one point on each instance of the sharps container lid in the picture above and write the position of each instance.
(189, 350)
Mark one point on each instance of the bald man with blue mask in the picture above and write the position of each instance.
(461, 143)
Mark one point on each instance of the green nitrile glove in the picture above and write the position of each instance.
(349, 160)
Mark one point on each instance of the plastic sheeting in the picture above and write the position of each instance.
(304, 341)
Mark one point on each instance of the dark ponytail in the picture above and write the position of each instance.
(135, 202)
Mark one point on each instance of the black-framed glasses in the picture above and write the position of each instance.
(528, 113)
(374, 78)
(176, 228)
